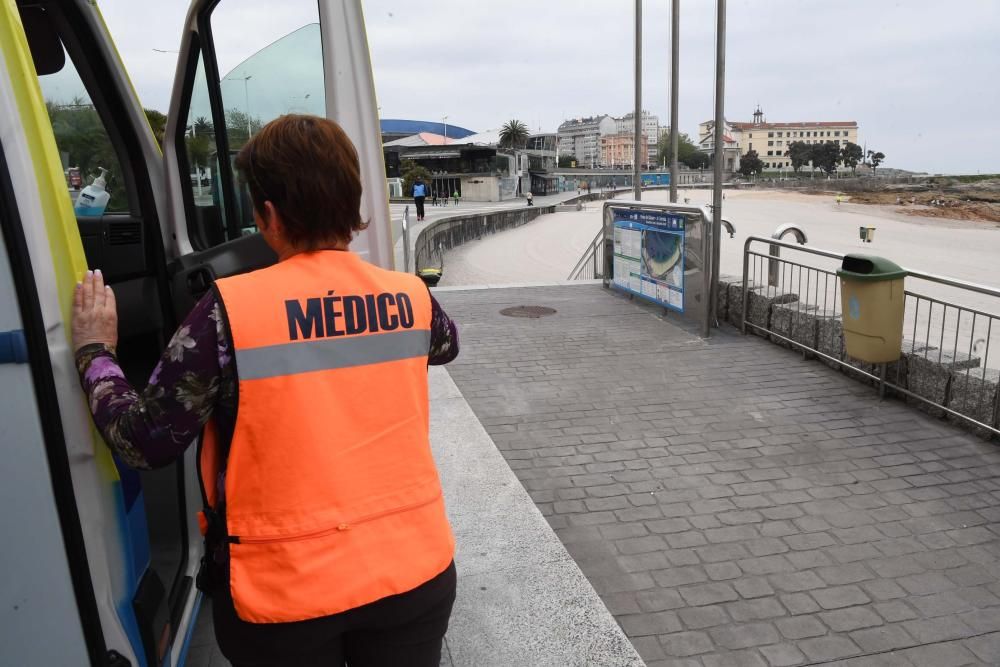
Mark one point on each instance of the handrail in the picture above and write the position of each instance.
(588, 255)
(931, 277)
(406, 239)
(958, 333)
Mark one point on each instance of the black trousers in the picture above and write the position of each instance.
(419, 201)
(405, 629)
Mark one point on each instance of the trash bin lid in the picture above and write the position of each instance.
(870, 268)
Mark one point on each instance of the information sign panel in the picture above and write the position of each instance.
(649, 255)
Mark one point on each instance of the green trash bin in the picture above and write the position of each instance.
(871, 292)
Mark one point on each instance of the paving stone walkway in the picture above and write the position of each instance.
(732, 503)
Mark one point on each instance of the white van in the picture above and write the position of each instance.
(98, 561)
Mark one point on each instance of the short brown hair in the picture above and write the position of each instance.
(307, 167)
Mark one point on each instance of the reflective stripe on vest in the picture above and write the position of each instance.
(332, 498)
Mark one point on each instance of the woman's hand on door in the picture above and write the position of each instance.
(95, 314)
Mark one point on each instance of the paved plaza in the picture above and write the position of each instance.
(732, 503)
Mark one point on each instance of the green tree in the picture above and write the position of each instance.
(686, 150)
(157, 123)
(851, 154)
(800, 153)
(199, 149)
(237, 126)
(411, 171)
(698, 160)
(826, 156)
(567, 161)
(751, 164)
(513, 134)
(202, 127)
(875, 159)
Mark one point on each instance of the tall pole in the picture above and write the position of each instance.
(246, 99)
(675, 68)
(445, 120)
(636, 122)
(720, 151)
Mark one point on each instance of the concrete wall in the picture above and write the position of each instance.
(443, 235)
(480, 188)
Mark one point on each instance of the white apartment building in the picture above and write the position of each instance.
(581, 138)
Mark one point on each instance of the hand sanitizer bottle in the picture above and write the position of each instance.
(94, 198)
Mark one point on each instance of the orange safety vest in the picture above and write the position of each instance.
(332, 498)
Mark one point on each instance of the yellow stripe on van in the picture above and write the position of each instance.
(65, 245)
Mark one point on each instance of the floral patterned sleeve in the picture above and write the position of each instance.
(444, 336)
(153, 428)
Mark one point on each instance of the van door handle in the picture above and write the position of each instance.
(199, 281)
(13, 347)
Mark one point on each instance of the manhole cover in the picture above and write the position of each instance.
(533, 312)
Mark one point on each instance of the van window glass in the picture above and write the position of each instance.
(207, 228)
(83, 142)
(273, 70)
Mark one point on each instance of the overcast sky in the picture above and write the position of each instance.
(921, 77)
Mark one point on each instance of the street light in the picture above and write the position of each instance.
(246, 99)
(445, 121)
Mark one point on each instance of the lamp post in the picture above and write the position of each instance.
(246, 101)
(445, 121)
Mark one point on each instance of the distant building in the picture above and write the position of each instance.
(730, 149)
(771, 140)
(618, 150)
(581, 138)
(397, 128)
(650, 128)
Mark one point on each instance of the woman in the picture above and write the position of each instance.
(326, 537)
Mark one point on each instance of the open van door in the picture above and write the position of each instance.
(116, 550)
(67, 109)
(236, 71)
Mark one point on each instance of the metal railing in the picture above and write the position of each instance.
(951, 329)
(406, 239)
(591, 264)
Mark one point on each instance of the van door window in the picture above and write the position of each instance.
(275, 69)
(207, 214)
(84, 145)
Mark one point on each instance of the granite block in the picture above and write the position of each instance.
(795, 320)
(974, 394)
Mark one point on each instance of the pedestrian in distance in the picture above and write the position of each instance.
(326, 538)
(419, 194)
(530, 198)
(434, 197)
(455, 197)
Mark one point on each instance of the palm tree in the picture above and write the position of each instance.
(514, 134)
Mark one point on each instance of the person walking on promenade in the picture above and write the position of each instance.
(531, 199)
(455, 197)
(326, 539)
(419, 194)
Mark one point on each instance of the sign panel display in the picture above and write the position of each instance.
(656, 178)
(649, 255)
